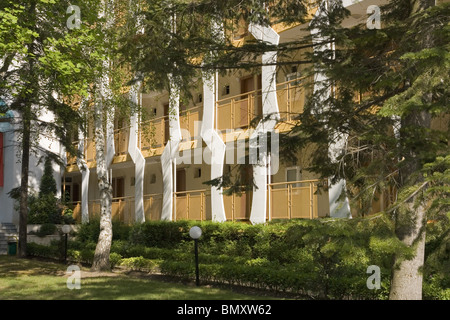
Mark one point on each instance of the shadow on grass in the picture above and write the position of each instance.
(25, 279)
(10, 266)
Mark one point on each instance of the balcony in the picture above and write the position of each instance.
(233, 113)
(153, 133)
(293, 200)
(238, 111)
(286, 200)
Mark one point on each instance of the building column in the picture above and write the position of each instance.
(338, 208)
(214, 143)
(137, 158)
(258, 138)
(170, 151)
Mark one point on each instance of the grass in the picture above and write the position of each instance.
(28, 279)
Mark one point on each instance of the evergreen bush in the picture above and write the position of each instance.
(317, 258)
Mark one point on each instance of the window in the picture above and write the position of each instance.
(197, 172)
(118, 185)
(153, 179)
(226, 89)
(293, 174)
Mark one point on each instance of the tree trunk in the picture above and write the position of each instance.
(410, 224)
(407, 278)
(23, 202)
(101, 257)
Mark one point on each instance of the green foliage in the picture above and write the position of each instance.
(38, 250)
(137, 263)
(46, 229)
(317, 258)
(89, 232)
(159, 234)
(437, 173)
(48, 183)
(114, 259)
(45, 207)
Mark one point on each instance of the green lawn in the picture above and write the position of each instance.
(37, 280)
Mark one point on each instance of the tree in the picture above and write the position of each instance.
(43, 68)
(109, 88)
(48, 183)
(45, 207)
(382, 89)
(389, 84)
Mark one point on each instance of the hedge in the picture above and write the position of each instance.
(319, 258)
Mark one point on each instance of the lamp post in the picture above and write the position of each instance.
(65, 230)
(195, 233)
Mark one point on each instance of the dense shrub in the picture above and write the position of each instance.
(161, 234)
(46, 229)
(317, 258)
(89, 232)
(38, 250)
(137, 263)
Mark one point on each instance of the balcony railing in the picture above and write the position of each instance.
(153, 133)
(286, 200)
(122, 209)
(232, 113)
(190, 205)
(238, 111)
(189, 118)
(289, 200)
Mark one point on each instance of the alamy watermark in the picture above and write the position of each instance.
(74, 279)
(373, 281)
(374, 20)
(242, 147)
(74, 21)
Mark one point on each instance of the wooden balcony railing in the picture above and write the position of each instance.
(121, 137)
(297, 199)
(152, 133)
(188, 119)
(237, 207)
(238, 111)
(190, 205)
(232, 113)
(72, 160)
(122, 209)
(291, 98)
(286, 200)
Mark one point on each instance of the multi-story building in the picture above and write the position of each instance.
(159, 166)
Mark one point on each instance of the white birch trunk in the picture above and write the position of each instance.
(101, 256)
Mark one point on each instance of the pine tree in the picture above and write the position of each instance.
(48, 183)
(387, 86)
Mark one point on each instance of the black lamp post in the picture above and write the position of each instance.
(65, 230)
(195, 233)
